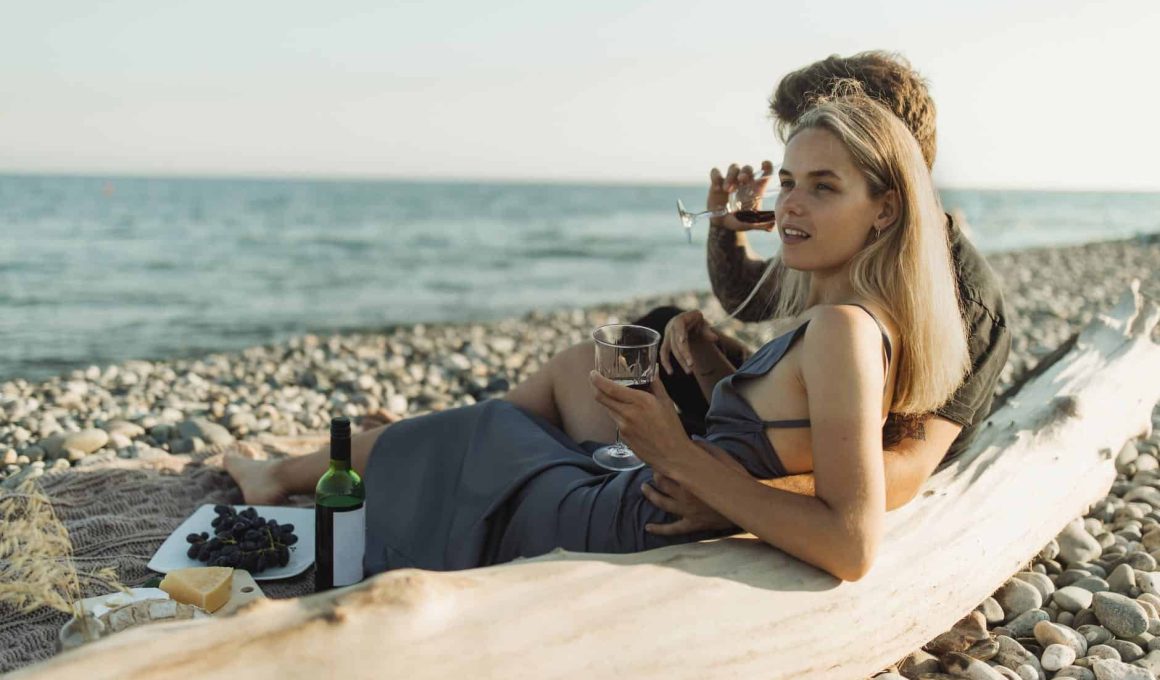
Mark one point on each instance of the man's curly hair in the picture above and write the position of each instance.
(884, 76)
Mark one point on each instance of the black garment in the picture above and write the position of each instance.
(681, 386)
(989, 341)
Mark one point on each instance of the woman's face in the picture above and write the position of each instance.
(825, 213)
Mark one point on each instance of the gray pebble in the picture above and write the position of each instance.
(1072, 598)
(1119, 614)
(1106, 669)
(1016, 596)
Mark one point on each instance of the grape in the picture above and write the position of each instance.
(244, 540)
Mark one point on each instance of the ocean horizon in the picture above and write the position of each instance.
(103, 269)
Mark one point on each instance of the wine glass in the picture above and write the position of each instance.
(627, 355)
(733, 205)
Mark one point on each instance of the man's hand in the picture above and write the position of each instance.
(749, 193)
(681, 333)
(694, 515)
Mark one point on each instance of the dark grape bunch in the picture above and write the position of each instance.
(243, 540)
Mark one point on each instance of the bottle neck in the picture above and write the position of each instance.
(340, 453)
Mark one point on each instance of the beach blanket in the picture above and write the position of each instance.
(117, 514)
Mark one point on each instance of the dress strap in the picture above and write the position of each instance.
(801, 422)
(882, 329)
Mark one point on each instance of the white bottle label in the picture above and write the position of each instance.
(350, 532)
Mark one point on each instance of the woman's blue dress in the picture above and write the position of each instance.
(488, 483)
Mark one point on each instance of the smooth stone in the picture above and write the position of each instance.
(1016, 597)
(1024, 624)
(1065, 619)
(963, 666)
(1055, 657)
(119, 441)
(967, 631)
(1040, 581)
(1013, 655)
(1106, 669)
(1128, 454)
(205, 430)
(124, 428)
(1150, 661)
(1072, 598)
(1070, 576)
(1104, 652)
(1148, 582)
(1026, 672)
(1148, 494)
(1093, 583)
(1047, 634)
(983, 650)
(1141, 561)
(1086, 617)
(161, 432)
(991, 610)
(1154, 644)
(1119, 614)
(1129, 652)
(53, 445)
(919, 662)
(889, 676)
(1076, 673)
(183, 445)
(1050, 551)
(86, 441)
(1007, 673)
(1122, 579)
(9, 457)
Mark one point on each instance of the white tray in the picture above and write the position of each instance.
(172, 553)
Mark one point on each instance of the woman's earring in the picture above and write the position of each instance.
(877, 232)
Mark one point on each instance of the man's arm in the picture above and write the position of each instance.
(907, 465)
(734, 269)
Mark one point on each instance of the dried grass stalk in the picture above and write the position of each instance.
(36, 565)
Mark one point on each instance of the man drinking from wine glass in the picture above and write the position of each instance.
(561, 393)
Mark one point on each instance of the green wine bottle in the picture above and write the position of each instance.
(339, 516)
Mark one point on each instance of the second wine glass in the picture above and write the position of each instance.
(735, 203)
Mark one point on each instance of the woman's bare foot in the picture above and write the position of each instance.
(255, 477)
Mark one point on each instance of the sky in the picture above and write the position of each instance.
(1037, 94)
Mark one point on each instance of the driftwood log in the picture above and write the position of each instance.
(729, 608)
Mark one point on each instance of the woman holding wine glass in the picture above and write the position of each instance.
(871, 325)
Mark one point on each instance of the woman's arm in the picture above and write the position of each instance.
(838, 529)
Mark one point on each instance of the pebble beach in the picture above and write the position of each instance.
(1087, 607)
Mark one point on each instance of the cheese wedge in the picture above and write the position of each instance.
(205, 587)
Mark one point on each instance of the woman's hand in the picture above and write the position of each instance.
(682, 332)
(647, 421)
(749, 193)
(668, 495)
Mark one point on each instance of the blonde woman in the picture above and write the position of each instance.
(872, 326)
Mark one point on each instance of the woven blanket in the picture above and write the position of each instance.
(117, 515)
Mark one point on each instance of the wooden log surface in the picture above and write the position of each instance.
(729, 608)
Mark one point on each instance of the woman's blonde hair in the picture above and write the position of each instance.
(907, 269)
